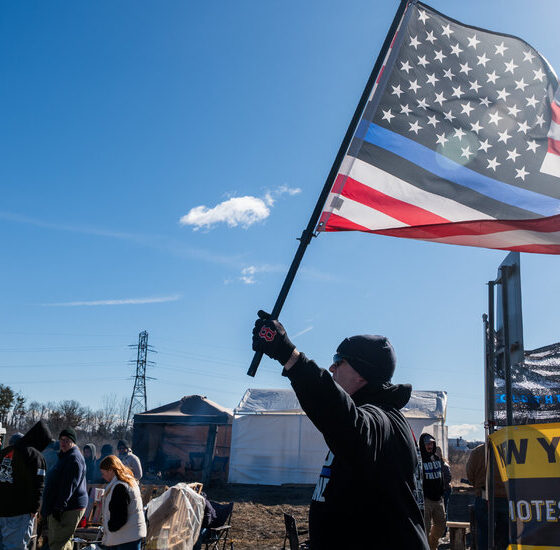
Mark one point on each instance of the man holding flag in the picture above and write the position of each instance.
(456, 139)
(365, 496)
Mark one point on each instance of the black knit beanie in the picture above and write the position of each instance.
(371, 356)
(70, 433)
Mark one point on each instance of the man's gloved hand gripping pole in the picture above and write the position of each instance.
(270, 338)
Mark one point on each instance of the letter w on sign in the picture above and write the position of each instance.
(459, 142)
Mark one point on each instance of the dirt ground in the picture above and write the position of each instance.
(257, 520)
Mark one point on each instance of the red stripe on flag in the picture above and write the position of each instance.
(338, 223)
(486, 227)
(400, 210)
(380, 74)
(553, 146)
(338, 184)
(555, 112)
(474, 229)
(538, 248)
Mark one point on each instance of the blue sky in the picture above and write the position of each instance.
(126, 124)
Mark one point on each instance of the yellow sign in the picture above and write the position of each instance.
(528, 458)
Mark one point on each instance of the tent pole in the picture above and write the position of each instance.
(490, 423)
(307, 234)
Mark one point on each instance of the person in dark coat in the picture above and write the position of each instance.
(65, 498)
(106, 450)
(365, 496)
(22, 479)
(51, 455)
(434, 487)
(91, 462)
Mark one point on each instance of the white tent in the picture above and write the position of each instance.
(273, 442)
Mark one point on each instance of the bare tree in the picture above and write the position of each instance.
(35, 411)
(7, 397)
(17, 416)
(121, 430)
(72, 413)
(107, 416)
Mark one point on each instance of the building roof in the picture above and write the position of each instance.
(422, 404)
(190, 409)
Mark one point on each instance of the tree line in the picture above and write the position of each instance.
(106, 423)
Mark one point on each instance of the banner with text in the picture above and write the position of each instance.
(529, 462)
(536, 388)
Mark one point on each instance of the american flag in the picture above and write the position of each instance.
(459, 142)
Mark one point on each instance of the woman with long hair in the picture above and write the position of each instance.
(124, 526)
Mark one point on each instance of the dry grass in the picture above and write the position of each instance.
(257, 520)
(458, 464)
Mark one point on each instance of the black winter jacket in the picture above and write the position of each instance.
(22, 472)
(365, 494)
(66, 484)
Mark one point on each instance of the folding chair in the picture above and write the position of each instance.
(292, 534)
(217, 534)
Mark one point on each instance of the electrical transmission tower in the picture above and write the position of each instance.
(139, 399)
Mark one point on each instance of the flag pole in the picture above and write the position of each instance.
(307, 234)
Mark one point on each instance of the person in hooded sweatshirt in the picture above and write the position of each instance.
(365, 496)
(22, 479)
(65, 497)
(434, 487)
(91, 462)
(106, 450)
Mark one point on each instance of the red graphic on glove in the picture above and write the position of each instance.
(266, 333)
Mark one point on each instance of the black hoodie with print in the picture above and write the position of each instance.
(432, 467)
(365, 494)
(22, 472)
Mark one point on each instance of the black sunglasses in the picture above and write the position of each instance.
(338, 358)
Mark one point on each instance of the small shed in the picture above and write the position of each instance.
(426, 412)
(274, 443)
(188, 439)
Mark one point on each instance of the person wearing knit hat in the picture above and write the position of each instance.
(368, 478)
(70, 433)
(129, 459)
(65, 498)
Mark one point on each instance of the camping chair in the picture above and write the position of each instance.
(218, 532)
(292, 534)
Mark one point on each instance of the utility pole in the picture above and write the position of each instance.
(139, 399)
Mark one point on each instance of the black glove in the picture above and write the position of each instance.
(270, 337)
(57, 514)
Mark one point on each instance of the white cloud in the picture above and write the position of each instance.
(118, 302)
(289, 190)
(243, 211)
(464, 430)
(248, 273)
(271, 196)
(158, 242)
(303, 331)
(236, 211)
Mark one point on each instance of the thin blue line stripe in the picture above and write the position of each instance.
(447, 169)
